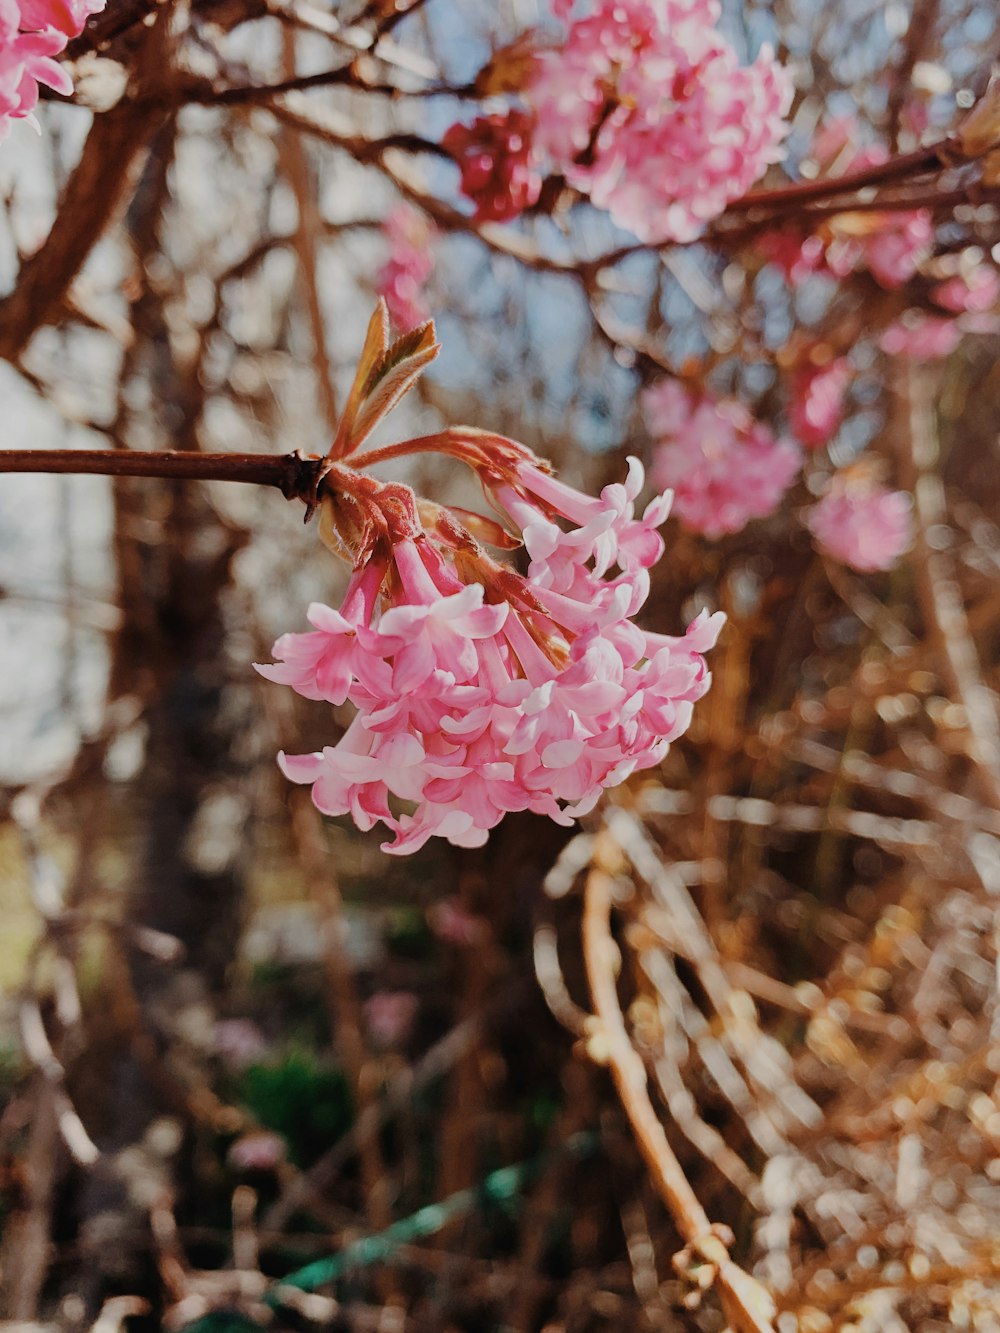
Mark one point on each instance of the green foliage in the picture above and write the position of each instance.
(222, 1321)
(307, 1103)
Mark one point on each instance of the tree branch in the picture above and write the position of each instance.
(297, 478)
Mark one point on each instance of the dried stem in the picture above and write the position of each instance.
(940, 594)
(747, 1305)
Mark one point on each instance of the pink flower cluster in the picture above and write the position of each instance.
(890, 245)
(32, 34)
(816, 408)
(498, 170)
(411, 262)
(479, 691)
(860, 523)
(645, 109)
(969, 294)
(725, 468)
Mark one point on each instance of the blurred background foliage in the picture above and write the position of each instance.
(236, 1038)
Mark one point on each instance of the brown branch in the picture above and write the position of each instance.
(946, 152)
(93, 194)
(297, 478)
(101, 180)
(204, 92)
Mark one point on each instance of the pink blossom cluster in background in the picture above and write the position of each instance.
(724, 467)
(890, 244)
(32, 33)
(645, 109)
(969, 294)
(816, 406)
(402, 278)
(860, 523)
(479, 691)
(498, 170)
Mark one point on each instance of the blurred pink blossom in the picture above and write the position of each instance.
(816, 406)
(889, 244)
(260, 1150)
(389, 1016)
(451, 921)
(495, 158)
(860, 523)
(724, 467)
(411, 262)
(646, 109)
(238, 1041)
(795, 254)
(976, 289)
(921, 337)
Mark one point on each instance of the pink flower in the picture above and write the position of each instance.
(834, 148)
(496, 161)
(895, 249)
(509, 693)
(921, 337)
(976, 289)
(390, 1016)
(890, 245)
(239, 1042)
(724, 467)
(260, 1150)
(817, 401)
(646, 109)
(32, 32)
(411, 262)
(861, 523)
(479, 690)
(451, 921)
(66, 16)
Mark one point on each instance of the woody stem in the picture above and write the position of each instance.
(296, 477)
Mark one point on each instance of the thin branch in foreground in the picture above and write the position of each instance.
(297, 477)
